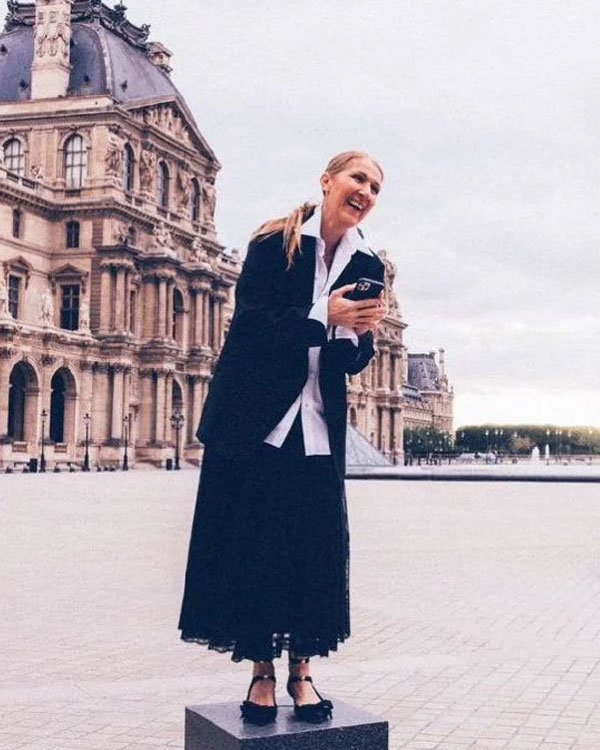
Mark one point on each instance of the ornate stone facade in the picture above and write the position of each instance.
(115, 293)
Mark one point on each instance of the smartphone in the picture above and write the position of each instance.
(365, 289)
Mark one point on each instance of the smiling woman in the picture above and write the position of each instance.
(268, 558)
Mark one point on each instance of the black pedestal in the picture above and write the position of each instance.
(219, 727)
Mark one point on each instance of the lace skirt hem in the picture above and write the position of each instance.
(265, 650)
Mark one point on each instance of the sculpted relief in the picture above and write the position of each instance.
(165, 117)
(114, 159)
(53, 33)
(184, 186)
(147, 170)
(209, 200)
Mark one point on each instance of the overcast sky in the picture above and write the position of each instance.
(486, 119)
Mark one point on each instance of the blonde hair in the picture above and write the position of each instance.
(291, 225)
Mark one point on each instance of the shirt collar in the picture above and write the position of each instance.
(351, 237)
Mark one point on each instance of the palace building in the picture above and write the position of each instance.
(398, 390)
(115, 293)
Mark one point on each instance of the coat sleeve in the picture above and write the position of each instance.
(257, 314)
(351, 357)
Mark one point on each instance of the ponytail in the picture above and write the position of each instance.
(291, 226)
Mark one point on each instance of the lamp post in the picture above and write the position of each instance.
(86, 457)
(43, 455)
(126, 441)
(177, 421)
(487, 445)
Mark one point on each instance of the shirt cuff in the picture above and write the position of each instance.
(319, 310)
(341, 332)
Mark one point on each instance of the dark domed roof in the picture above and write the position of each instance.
(102, 63)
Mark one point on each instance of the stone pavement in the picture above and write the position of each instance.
(476, 614)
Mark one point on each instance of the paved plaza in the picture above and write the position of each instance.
(476, 614)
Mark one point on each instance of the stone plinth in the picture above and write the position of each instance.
(219, 727)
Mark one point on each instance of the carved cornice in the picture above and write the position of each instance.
(118, 264)
(18, 265)
(68, 273)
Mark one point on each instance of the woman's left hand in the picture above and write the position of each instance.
(376, 318)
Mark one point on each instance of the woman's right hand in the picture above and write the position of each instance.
(351, 313)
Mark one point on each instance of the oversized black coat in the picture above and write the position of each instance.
(264, 362)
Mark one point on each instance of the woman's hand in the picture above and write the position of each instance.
(355, 314)
(377, 317)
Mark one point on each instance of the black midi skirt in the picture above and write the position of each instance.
(268, 557)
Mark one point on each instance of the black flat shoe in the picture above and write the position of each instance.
(252, 712)
(314, 713)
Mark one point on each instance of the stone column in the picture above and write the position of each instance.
(161, 327)
(5, 367)
(168, 407)
(169, 315)
(99, 408)
(198, 306)
(197, 402)
(149, 323)
(85, 401)
(106, 304)
(116, 422)
(205, 317)
(159, 413)
(146, 407)
(120, 300)
(127, 323)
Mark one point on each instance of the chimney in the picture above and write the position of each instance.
(51, 55)
(442, 363)
(160, 56)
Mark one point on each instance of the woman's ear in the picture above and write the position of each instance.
(325, 180)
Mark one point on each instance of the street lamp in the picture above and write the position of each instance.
(126, 440)
(86, 458)
(177, 421)
(43, 455)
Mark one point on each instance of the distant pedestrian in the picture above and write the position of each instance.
(268, 556)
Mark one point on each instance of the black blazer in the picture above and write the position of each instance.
(264, 362)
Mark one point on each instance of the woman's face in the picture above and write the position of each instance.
(349, 195)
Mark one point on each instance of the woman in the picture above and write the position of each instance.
(268, 558)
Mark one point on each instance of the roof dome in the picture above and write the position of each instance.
(108, 55)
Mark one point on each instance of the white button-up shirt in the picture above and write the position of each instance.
(310, 401)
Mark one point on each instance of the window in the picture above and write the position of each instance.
(129, 166)
(14, 158)
(195, 207)
(75, 162)
(14, 292)
(163, 188)
(72, 234)
(16, 224)
(69, 309)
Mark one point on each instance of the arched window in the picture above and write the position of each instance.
(14, 158)
(178, 310)
(129, 167)
(75, 162)
(195, 201)
(163, 187)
